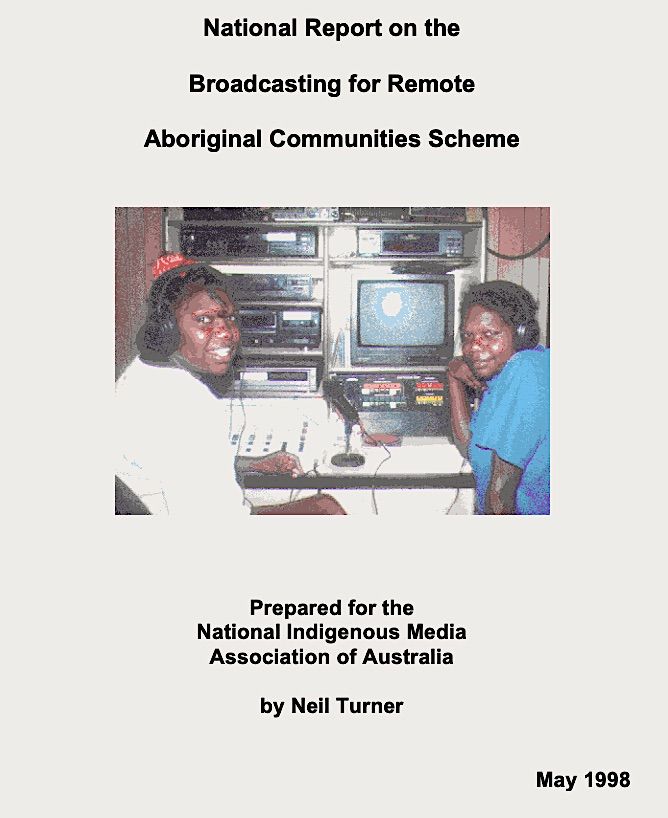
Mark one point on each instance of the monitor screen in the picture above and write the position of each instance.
(401, 314)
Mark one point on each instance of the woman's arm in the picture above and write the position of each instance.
(503, 483)
(459, 377)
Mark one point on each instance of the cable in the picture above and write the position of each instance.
(335, 348)
(538, 247)
(294, 493)
(244, 500)
(453, 502)
(451, 506)
(367, 436)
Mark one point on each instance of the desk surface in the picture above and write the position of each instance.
(418, 463)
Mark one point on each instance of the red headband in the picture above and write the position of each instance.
(168, 261)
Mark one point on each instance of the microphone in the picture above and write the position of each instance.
(334, 393)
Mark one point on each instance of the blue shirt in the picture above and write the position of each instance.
(513, 420)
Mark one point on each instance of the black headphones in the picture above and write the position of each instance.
(167, 325)
(161, 309)
(526, 335)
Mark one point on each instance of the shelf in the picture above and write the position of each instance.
(282, 352)
(278, 304)
(376, 225)
(243, 223)
(381, 370)
(351, 261)
(410, 225)
(240, 261)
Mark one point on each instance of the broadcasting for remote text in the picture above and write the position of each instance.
(307, 84)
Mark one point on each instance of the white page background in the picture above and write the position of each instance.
(113, 708)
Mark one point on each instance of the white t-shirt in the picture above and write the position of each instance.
(174, 442)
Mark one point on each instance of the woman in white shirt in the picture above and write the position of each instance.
(173, 410)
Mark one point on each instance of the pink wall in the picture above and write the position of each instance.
(514, 231)
(138, 244)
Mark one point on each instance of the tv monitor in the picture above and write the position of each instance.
(402, 320)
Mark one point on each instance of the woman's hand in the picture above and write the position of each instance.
(459, 370)
(278, 463)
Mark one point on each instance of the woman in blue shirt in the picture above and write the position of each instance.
(507, 436)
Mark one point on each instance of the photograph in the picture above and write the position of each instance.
(332, 360)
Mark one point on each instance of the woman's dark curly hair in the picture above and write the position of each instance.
(516, 306)
(158, 337)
